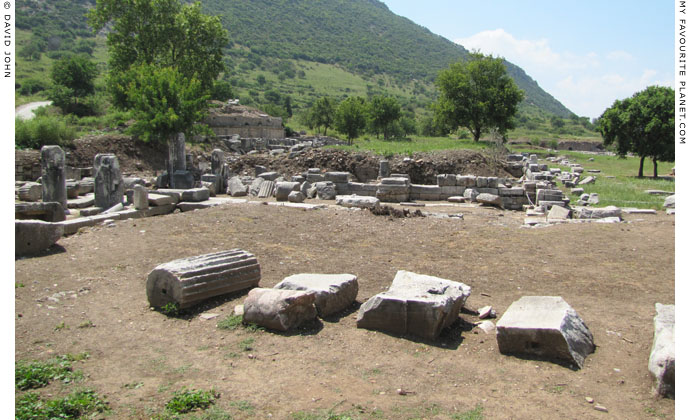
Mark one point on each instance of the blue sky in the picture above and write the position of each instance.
(585, 53)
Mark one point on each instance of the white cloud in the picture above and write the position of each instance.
(619, 56)
(586, 83)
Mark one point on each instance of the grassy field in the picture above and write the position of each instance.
(414, 144)
(625, 189)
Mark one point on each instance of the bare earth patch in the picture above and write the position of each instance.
(611, 274)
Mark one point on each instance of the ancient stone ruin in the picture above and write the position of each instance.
(228, 120)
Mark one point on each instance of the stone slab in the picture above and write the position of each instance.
(334, 292)
(81, 202)
(34, 236)
(357, 201)
(277, 309)
(414, 304)
(662, 359)
(544, 326)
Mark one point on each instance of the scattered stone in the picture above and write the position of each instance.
(487, 326)
(269, 176)
(638, 211)
(141, 197)
(593, 199)
(278, 309)
(470, 194)
(487, 312)
(544, 326)
(160, 200)
(456, 199)
(254, 188)
(597, 213)
(601, 408)
(34, 236)
(659, 192)
(490, 200)
(589, 400)
(188, 281)
(670, 211)
(414, 304)
(239, 310)
(670, 202)
(195, 195)
(267, 189)
(558, 213)
(48, 212)
(334, 292)
(325, 190)
(357, 201)
(31, 192)
(283, 190)
(588, 180)
(208, 316)
(662, 359)
(296, 197)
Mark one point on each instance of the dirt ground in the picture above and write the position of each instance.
(611, 274)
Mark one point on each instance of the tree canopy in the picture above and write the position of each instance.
(351, 117)
(643, 124)
(477, 94)
(383, 112)
(162, 32)
(73, 79)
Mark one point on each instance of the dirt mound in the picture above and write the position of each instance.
(138, 158)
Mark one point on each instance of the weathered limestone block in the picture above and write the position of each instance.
(325, 190)
(315, 177)
(81, 202)
(446, 180)
(487, 190)
(195, 195)
(86, 185)
(549, 195)
(334, 292)
(217, 161)
(140, 197)
(236, 187)
(588, 180)
(213, 183)
(470, 194)
(183, 180)
(48, 212)
(514, 203)
(425, 192)
(108, 185)
(188, 281)
(254, 187)
(283, 190)
(558, 213)
(296, 197)
(397, 181)
(544, 326)
(72, 188)
(53, 177)
(511, 192)
(466, 181)
(577, 191)
(662, 359)
(31, 192)
(278, 309)
(269, 176)
(670, 202)
(361, 189)
(259, 169)
(267, 189)
(450, 191)
(161, 199)
(490, 200)
(393, 193)
(596, 213)
(414, 304)
(33, 236)
(358, 201)
(337, 177)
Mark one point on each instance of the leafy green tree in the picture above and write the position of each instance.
(323, 114)
(351, 117)
(73, 80)
(162, 32)
(643, 124)
(222, 91)
(557, 122)
(477, 94)
(383, 112)
(288, 106)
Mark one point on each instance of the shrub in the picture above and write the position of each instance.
(32, 86)
(37, 374)
(189, 400)
(42, 130)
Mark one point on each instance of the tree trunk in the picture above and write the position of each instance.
(640, 174)
(477, 134)
(655, 167)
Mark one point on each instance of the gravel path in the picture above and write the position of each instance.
(26, 111)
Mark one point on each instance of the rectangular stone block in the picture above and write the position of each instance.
(446, 180)
(492, 191)
(511, 192)
(466, 180)
(359, 188)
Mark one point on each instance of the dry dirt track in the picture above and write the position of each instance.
(612, 274)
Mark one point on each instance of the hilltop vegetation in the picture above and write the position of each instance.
(292, 52)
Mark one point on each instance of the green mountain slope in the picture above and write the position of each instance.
(362, 36)
(293, 45)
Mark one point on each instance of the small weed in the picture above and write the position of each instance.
(86, 324)
(171, 309)
(78, 404)
(61, 326)
(133, 385)
(243, 405)
(474, 414)
(246, 344)
(36, 374)
(203, 348)
(230, 323)
(18, 285)
(325, 415)
(232, 355)
(190, 399)
(652, 412)
(556, 389)
(182, 369)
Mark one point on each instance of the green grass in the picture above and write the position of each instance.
(37, 374)
(77, 405)
(189, 400)
(247, 344)
(476, 413)
(231, 322)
